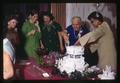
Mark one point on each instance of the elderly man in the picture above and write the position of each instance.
(75, 30)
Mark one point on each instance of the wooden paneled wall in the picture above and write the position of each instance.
(59, 12)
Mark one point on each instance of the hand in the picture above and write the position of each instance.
(77, 42)
(65, 37)
(62, 49)
(51, 22)
(42, 47)
(31, 33)
(37, 23)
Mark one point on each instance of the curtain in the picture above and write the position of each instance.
(59, 12)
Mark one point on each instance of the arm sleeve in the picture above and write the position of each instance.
(25, 29)
(9, 51)
(68, 29)
(59, 28)
(93, 47)
(85, 30)
(92, 36)
(7, 47)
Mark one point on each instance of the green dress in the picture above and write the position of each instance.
(31, 43)
(50, 38)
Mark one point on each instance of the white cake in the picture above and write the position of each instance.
(75, 50)
(70, 64)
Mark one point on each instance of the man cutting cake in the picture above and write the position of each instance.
(75, 31)
(100, 39)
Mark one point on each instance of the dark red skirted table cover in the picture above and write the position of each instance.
(29, 70)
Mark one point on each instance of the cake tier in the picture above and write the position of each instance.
(75, 50)
(69, 64)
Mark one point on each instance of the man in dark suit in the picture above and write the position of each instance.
(76, 30)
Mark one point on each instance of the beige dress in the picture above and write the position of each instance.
(102, 40)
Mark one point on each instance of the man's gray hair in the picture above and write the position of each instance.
(76, 17)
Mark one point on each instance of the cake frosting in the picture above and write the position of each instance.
(75, 50)
(70, 64)
(74, 61)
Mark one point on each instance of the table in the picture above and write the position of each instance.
(32, 71)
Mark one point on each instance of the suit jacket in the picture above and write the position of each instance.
(102, 40)
(73, 35)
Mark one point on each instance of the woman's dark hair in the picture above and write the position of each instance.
(12, 17)
(32, 12)
(8, 18)
(49, 15)
(96, 15)
(13, 37)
